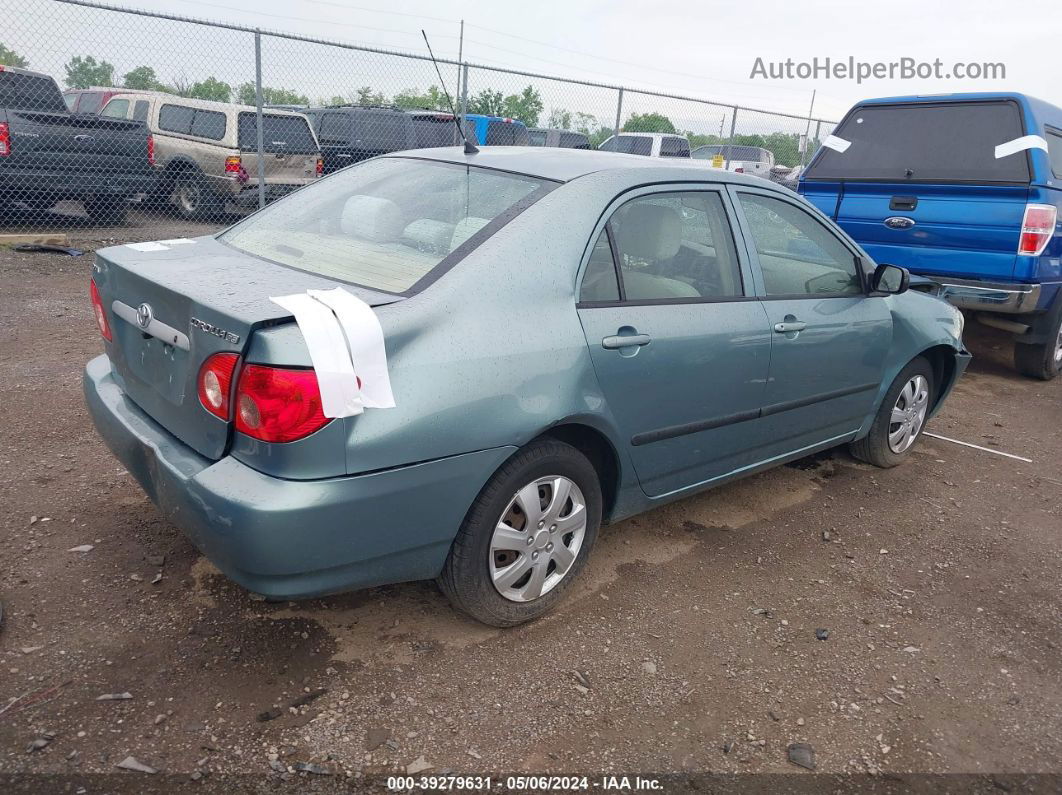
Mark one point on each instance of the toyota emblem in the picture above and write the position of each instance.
(144, 315)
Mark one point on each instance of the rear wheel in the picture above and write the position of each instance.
(105, 209)
(193, 197)
(900, 418)
(526, 537)
(1043, 360)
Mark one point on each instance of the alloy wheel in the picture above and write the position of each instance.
(909, 414)
(537, 539)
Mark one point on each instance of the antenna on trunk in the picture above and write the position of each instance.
(470, 148)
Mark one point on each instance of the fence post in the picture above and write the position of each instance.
(619, 113)
(464, 92)
(258, 115)
(730, 140)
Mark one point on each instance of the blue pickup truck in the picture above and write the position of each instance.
(966, 190)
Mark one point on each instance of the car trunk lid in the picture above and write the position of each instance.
(173, 304)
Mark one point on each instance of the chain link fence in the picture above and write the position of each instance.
(113, 117)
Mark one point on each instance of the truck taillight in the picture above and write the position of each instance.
(214, 384)
(151, 149)
(5, 139)
(320, 166)
(1037, 227)
(739, 170)
(97, 310)
(233, 164)
(277, 404)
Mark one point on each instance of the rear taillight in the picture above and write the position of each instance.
(278, 405)
(739, 170)
(320, 166)
(97, 310)
(1037, 227)
(233, 164)
(5, 139)
(151, 149)
(215, 383)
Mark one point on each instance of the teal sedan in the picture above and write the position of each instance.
(571, 338)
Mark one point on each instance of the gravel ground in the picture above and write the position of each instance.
(690, 646)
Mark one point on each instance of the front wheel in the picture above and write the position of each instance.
(526, 537)
(900, 418)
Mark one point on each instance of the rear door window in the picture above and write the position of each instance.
(176, 118)
(209, 124)
(30, 92)
(500, 133)
(335, 128)
(926, 142)
(90, 102)
(537, 137)
(630, 145)
(140, 110)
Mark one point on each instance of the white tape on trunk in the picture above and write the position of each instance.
(365, 340)
(836, 144)
(327, 344)
(1020, 145)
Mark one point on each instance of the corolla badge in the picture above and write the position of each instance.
(144, 315)
(899, 222)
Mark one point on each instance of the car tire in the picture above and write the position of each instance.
(1042, 360)
(193, 198)
(109, 210)
(479, 576)
(892, 437)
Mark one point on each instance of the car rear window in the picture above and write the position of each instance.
(674, 147)
(391, 224)
(630, 145)
(574, 141)
(506, 133)
(432, 131)
(279, 134)
(926, 142)
(382, 130)
(30, 92)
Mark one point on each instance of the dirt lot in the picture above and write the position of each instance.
(694, 629)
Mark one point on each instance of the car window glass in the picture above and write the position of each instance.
(209, 124)
(676, 245)
(629, 144)
(504, 133)
(116, 109)
(140, 110)
(798, 254)
(334, 127)
(1054, 148)
(599, 279)
(574, 141)
(674, 147)
(90, 102)
(176, 118)
(69, 99)
(537, 137)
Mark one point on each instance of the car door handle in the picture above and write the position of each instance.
(790, 326)
(617, 341)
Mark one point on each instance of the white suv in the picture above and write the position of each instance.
(648, 144)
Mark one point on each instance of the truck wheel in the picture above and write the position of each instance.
(526, 537)
(900, 418)
(1042, 360)
(194, 199)
(109, 210)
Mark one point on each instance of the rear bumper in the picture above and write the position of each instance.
(17, 184)
(291, 539)
(1010, 298)
(247, 196)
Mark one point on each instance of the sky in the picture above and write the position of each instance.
(704, 50)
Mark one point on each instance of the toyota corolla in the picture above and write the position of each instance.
(569, 338)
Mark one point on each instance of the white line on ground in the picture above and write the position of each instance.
(977, 447)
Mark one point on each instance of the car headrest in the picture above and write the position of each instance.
(429, 235)
(465, 228)
(648, 231)
(371, 218)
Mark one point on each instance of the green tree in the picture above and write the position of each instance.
(648, 122)
(599, 136)
(142, 78)
(366, 96)
(270, 96)
(526, 106)
(212, 89)
(559, 119)
(9, 57)
(432, 99)
(85, 72)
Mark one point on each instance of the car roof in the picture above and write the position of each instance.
(206, 104)
(647, 135)
(564, 165)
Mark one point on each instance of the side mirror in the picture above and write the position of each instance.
(890, 280)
